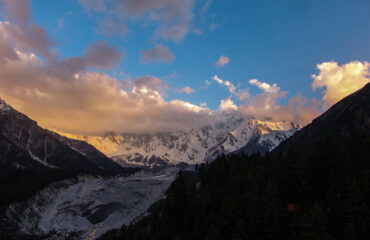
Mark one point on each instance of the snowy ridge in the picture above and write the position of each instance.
(3, 106)
(228, 134)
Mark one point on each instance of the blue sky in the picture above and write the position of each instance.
(159, 47)
(274, 41)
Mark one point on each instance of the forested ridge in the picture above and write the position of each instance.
(321, 195)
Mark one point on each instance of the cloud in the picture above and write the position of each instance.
(203, 104)
(267, 106)
(33, 38)
(214, 26)
(110, 27)
(206, 6)
(226, 83)
(173, 16)
(18, 11)
(243, 94)
(227, 105)
(187, 90)
(25, 35)
(6, 51)
(92, 102)
(61, 22)
(222, 61)
(148, 83)
(340, 81)
(101, 55)
(265, 86)
(94, 5)
(158, 53)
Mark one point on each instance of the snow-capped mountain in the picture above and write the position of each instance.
(230, 133)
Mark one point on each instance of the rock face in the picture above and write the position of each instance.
(229, 134)
(348, 118)
(26, 146)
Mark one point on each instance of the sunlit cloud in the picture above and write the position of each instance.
(227, 105)
(187, 90)
(226, 83)
(92, 102)
(222, 61)
(267, 105)
(340, 81)
(265, 86)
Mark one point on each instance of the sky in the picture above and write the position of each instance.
(92, 66)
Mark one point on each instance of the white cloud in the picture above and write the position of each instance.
(265, 86)
(226, 83)
(340, 81)
(203, 104)
(227, 105)
(222, 61)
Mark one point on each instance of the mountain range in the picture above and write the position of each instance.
(230, 133)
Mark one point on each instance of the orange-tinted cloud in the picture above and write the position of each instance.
(222, 61)
(340, 81)
(91, 102)
(187, 90)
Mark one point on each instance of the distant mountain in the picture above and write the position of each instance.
(230, 133)
(349, 118)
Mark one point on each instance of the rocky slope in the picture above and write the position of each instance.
(26, 146)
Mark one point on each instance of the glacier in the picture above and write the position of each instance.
(90, 206)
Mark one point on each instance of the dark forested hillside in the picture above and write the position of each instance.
(315, 185)
(349, 118)
(323, 195)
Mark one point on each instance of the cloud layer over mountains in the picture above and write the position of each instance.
(75, 95)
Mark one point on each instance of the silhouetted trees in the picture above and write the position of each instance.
(324, 195)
